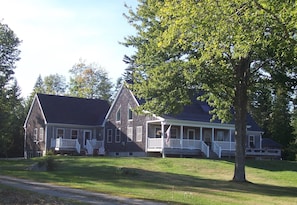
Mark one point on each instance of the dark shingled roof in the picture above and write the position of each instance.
(73, 110)
(269, 143)
(199, 111)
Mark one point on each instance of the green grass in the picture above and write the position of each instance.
(172, 180)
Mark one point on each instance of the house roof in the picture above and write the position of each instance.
(73, 110)
(199, 111)
(269, 143)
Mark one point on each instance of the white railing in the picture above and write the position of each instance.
(67, 144)
(217, 149)
(94, 144)
(263, 152)
(154, 144)
(226, 145)
(205, 149)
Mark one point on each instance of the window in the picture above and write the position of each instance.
(41, 134)
(252, 141)
(139, 133)
(60, 133)
(118, 115)
(173, 133)
(118, 135)
(219, 136)
(35, 134)
(191, 134)
(74, 134)
(130, 113)
(129, 134)
(158, 132)
(109, 135)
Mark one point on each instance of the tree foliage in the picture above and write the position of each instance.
(89, 81)
(11, 109)
(221, 47)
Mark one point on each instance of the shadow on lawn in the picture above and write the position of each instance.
(273, 165)
(140, 178)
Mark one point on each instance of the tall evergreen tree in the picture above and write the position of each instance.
(9, 54)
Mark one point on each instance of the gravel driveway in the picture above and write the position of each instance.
(73, 194)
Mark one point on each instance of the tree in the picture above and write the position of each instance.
(220, 47)
(9, 54)
(55, 84)
(89, 81)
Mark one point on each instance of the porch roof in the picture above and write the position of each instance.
(73, 110)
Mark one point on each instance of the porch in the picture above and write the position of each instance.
(92, 147)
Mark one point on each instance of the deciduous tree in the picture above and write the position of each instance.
(219, 47)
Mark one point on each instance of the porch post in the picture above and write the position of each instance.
(212, 135)
(230, 141)
(162, 139)
(181, 135)
(201, 133)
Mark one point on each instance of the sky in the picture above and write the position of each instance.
(55, 34)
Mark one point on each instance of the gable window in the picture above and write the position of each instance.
(118, 135)
(251, 141)
(109, 135)
(129, 134)
(130, 113)
(74, 134)
(118, 115)
(60, 133)
(139, 133)
(41, 134)
(35, 134)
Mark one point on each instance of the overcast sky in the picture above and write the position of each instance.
(57, 33)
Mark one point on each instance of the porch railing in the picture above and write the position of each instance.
(205, 149)
(217, 149)
(65, 144)
(263, 152)
(94, 144)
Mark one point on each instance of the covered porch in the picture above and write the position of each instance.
(91, 147)
(169, 137)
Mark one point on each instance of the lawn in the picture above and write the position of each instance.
(172, 180)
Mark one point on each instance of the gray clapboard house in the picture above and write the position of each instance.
(64, 125)
(189, 133)
(92, 127)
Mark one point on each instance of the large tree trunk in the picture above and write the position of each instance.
(240, 107)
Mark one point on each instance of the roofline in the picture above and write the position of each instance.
(64, 124)
(115, 100)
(31, 107)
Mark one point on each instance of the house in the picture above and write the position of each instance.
(190, 133)
(64, 125)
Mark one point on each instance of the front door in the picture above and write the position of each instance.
(87, 136)
(207, 136)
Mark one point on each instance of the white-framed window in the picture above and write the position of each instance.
(191, 134)
(158, 132)
(219, 135)
(173, 133)
(129, 134)
(74, 134)
(109, 135)
(118, 115)
(117, 135)
(41, 134)
(251, 141)
(35, 134)
(138, 133)
(130, 113)
(60, 133)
